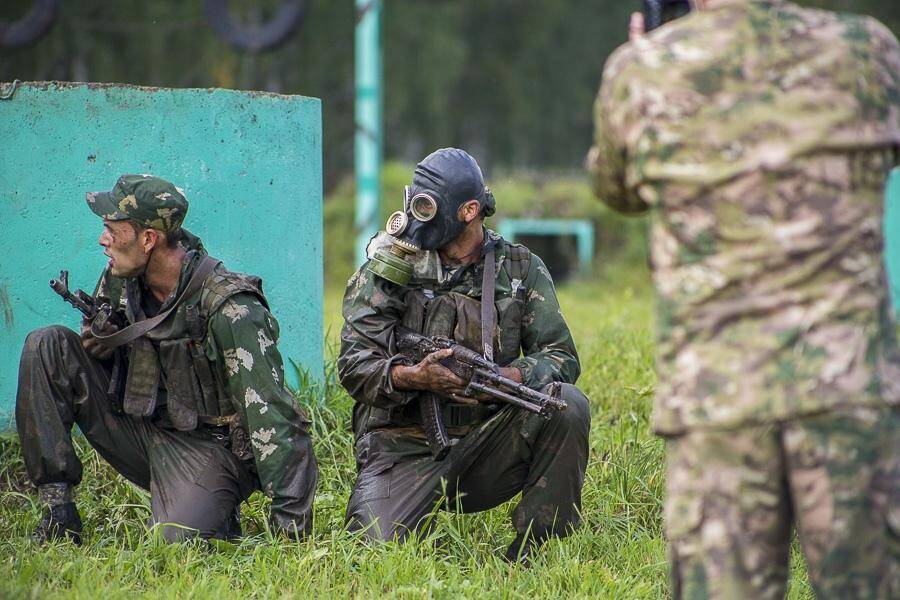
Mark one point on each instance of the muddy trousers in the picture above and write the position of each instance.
(195, 482)
(732, 497)
(400, 484)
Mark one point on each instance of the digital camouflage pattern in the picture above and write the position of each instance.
(760, 135)
(150, 201)
(731, 496)
(499, 452)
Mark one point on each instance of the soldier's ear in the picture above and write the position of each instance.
(149, 239)
(469, 211)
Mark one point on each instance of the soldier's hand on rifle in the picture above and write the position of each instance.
(91, 344)
(429, 375)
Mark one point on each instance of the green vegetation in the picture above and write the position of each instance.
(619, 552)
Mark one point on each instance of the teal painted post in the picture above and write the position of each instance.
(582, 229)
(250, 165)
(892, 236)
(368, 123)
(584, 233)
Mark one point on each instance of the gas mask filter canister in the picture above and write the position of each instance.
(392, 264)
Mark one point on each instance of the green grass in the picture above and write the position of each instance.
(619, 552)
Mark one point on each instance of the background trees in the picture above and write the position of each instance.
(512, 80)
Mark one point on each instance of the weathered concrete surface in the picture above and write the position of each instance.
(250, 165)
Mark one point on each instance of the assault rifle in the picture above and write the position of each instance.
(84, 302)
(88, 306)
(81, 300)
(482, 378)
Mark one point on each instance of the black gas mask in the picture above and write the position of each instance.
(444, 181)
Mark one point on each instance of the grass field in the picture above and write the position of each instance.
(619, 552)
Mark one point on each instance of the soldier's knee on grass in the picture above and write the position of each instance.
(52, 335)
(174, 533)
(375, 528)
(578, 411)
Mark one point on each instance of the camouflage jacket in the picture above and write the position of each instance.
(759, 134)
(531, 333)
(240, 345)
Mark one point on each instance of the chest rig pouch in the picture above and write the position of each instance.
(172, 355)
(458, 316)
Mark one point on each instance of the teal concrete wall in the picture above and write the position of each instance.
(892, 236)
(250, 165)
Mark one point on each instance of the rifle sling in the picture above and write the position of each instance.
(135, 330)
(487, 305)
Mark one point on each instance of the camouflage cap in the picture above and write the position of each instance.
(150, 201)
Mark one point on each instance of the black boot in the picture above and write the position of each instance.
(521, 550)
(233, 525)
(60, 521)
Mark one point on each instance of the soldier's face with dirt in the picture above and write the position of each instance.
(127, 248)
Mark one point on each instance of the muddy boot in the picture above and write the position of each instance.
(233, 526)
(521, 550)
(61, 519)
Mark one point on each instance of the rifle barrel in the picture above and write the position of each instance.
(508, 398)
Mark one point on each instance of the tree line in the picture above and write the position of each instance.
(511, 80)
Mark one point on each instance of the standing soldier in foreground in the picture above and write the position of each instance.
(759, 134)
(495, 451)
(202, 418)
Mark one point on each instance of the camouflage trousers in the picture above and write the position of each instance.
(733, 495)
(194, 481)
(513, 451)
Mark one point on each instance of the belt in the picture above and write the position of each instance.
(217, 426)
(216, 421)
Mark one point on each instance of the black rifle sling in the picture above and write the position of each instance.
(135, 330)
(487, 305)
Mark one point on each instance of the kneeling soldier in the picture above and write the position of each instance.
(497, 450)
(186, 400)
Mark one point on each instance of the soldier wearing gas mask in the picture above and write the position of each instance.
(429, 272)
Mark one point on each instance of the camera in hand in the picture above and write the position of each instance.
(660, 12)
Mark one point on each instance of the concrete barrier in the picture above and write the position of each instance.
(250, 165)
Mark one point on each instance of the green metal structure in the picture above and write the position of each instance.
(581, 229)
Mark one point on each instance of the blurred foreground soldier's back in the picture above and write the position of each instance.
(760, 135)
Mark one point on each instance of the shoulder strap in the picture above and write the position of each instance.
(487, 305)
(518, 261)
(135, 330)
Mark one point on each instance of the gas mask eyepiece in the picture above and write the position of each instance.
(423, 207)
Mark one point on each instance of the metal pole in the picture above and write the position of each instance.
(892, 236)
(368, 123)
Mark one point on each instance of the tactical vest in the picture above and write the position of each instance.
(173, 355)
(458, 316)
